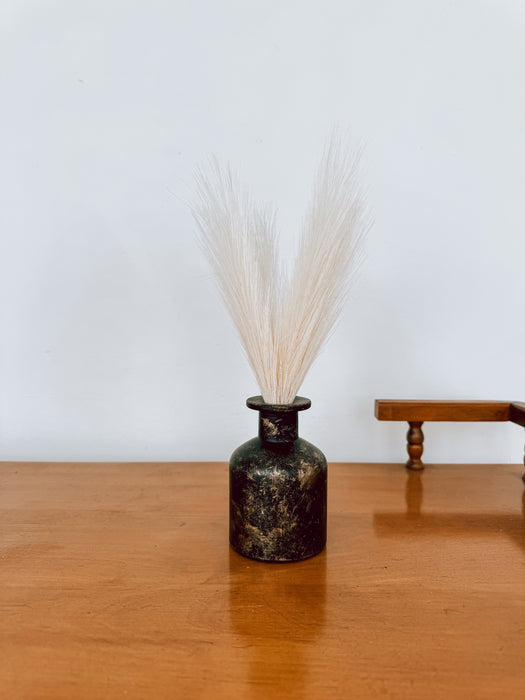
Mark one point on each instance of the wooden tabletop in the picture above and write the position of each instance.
(117, 582)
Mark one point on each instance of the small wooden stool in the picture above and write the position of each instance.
(417, 412)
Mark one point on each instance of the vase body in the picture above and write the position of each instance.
(278, 489)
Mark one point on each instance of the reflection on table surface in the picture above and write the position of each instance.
(116, 580)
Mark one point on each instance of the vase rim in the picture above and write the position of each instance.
(300, 403)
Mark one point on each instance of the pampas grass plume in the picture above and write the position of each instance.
(283, 319)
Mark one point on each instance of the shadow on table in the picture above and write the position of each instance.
(278, 612)
(460, 524)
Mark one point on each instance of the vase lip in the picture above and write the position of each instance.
(300, 403)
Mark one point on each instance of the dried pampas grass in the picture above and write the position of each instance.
(283, 319)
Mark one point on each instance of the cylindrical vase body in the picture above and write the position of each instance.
(278, 489)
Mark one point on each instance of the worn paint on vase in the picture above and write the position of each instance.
(278, 489)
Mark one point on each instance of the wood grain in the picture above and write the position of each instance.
(406, 410)
(116, 581)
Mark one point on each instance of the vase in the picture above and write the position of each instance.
(278, 489)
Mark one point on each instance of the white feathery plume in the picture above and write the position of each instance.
(283, 320)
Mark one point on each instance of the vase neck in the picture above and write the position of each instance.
(278, 423)
(278, 427)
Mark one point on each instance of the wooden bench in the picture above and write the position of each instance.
(415, 413)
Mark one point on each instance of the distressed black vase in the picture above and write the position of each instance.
(278, 489)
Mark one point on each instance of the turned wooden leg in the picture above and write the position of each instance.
(523, 477)
(415, 439)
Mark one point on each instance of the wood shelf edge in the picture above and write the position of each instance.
(453, 411)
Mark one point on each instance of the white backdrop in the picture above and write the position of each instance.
(114, 342)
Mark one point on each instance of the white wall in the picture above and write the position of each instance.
(114, 343)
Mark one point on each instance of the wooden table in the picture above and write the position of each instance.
(117, 582)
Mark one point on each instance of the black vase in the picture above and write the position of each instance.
(278, 489)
